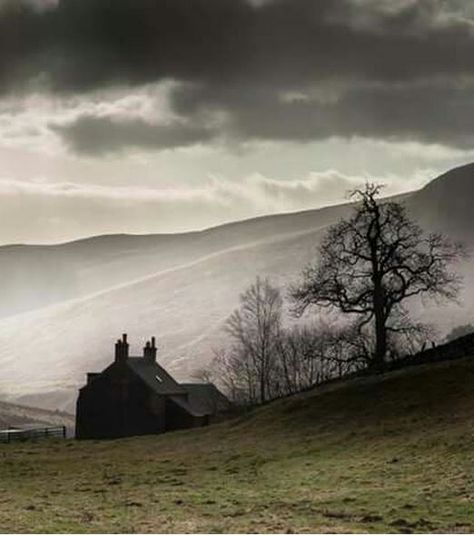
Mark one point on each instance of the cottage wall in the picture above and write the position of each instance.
(117, 404)
(178, 418)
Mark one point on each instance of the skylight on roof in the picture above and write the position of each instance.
(158, 378)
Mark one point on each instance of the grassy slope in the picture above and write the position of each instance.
(386, 454)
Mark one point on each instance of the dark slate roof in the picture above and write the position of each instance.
(206, 398)
(198, 399)
(181, 401)
(155, 376)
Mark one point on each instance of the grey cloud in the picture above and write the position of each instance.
(100, 135)
(86, 44)
(431, 113)
(239, 57)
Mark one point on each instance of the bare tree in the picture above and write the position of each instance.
(298, 358)
(254, 328)
(304, 357)
(372, 263)
(295, 360)
(203, 375)
(236, 374)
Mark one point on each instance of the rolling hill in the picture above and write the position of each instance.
(12, 415)
(446, 203)
(44, 275)
(379, 454)
(65, 305)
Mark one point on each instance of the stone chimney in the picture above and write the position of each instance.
(121, 349)
(149, 351)
(91, 376)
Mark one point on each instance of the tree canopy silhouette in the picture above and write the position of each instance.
(372, 263)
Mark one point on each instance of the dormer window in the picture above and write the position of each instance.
(158, 378)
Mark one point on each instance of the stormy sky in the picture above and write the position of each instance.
(168, 115)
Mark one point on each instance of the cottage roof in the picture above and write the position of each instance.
(155, 376)
(206, 398)
(198, 399)
(189, 408)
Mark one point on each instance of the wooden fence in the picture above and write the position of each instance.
(8, 436)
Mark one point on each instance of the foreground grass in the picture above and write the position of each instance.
(391, 454)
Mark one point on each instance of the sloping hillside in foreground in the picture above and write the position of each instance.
(390, 453)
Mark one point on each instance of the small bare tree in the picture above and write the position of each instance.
(203, 375)
(235, 372)
(254, 328)
(303, 357)
(372, 263)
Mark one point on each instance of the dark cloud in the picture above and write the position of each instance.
(100, 135)
(89, 44)
(426, 112)
(240, 57)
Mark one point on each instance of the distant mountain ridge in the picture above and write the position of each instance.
(66, 304)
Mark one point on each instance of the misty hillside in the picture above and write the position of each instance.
(382, 454)
(12, 415)
(42, 275)
(65, 305)
(446, 203)
(184, 306)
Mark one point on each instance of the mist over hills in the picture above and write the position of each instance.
(64, 305)
(14, 415)
(43, 275)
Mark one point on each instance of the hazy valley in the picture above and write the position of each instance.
(64, 305)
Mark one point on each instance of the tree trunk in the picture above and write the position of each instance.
(262, 381)
(380, 342)
(380, 326)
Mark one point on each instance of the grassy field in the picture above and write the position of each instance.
(387, 454)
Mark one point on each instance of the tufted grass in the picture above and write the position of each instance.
(391, 453)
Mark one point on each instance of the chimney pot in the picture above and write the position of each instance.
(121, 349)
(91, 376)
(150, 350)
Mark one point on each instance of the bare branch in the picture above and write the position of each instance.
(372, 263)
